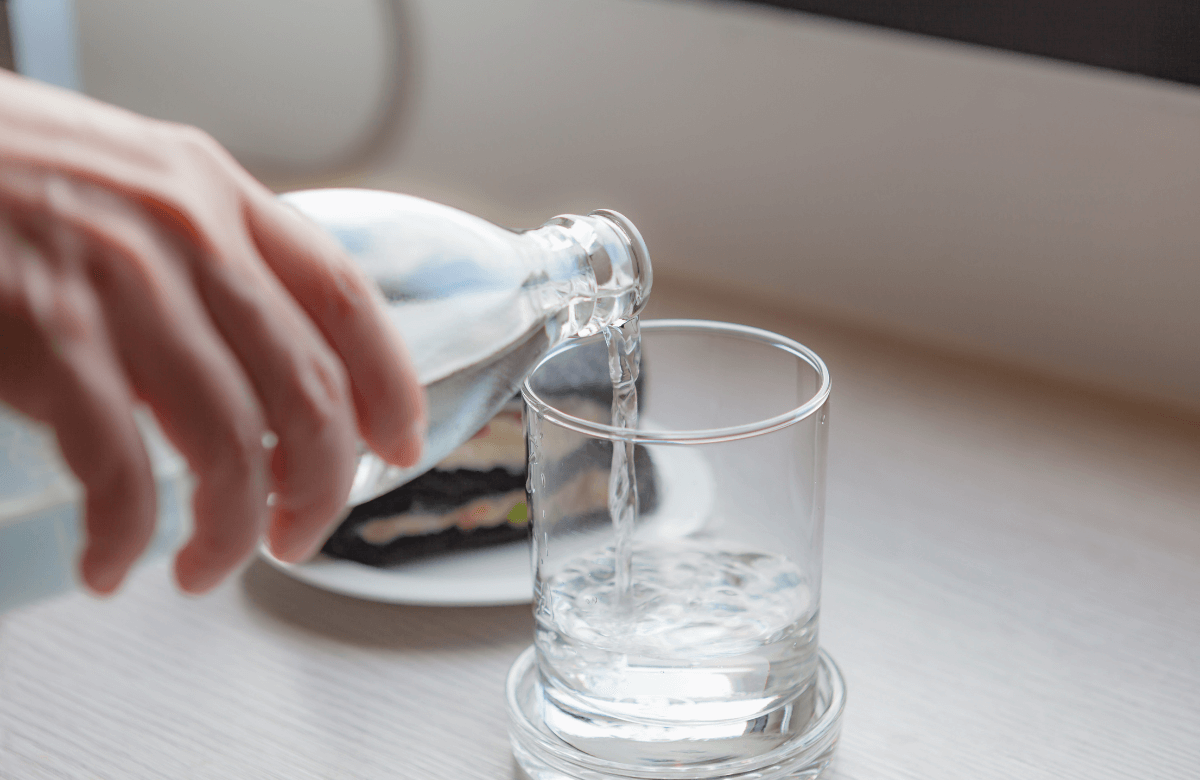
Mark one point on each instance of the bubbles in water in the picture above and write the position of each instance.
(687, 601)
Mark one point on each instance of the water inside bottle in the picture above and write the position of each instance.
(472, 353)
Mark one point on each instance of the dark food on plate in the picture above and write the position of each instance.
(476, 496)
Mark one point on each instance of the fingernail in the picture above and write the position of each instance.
(101, 578)
(191, 577)
(405, 450)
(283, 549)
(286, 544)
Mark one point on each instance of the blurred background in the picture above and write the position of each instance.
(1016, 180)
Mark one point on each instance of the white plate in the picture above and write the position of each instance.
(500, 575)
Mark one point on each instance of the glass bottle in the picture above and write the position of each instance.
(477, 304)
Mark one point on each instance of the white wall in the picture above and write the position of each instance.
(292, 87)
(1040, 212)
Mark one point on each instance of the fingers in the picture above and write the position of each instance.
(57, 366)
(99, 440)
(171, 352)
(304, 392)
(350, 313)
(208, 409)
(207, 320)
(203, 400)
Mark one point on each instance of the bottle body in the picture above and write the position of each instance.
(476, 304)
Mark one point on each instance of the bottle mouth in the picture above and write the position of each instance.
(640, 269)
(620, 263)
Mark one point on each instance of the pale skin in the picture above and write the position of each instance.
(139, 263)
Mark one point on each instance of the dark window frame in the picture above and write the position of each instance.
(1155, 38)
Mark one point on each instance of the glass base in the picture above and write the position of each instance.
(767, 748)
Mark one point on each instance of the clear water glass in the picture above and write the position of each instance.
(703, 660)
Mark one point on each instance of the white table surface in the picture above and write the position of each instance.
(1012, 589)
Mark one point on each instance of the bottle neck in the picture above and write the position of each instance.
(618, 267)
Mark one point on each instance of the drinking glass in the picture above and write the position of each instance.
(684, 644)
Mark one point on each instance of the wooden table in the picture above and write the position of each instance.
(1012, 589)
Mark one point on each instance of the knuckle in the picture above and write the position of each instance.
(332, 387)
(244, 444)
(326, 408)
(121, 501)
(196, 157)
(238, 457)
(350, 284)
(340, 291)
(193, 138)
(18, 304)
(122, 478)
(185, 143)
(57, 304)
(66, 317)
(320, 397)
(202, 146)
(317, 459)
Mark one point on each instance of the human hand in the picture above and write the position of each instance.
(139, 261)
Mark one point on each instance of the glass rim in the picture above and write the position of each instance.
(700, 435)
